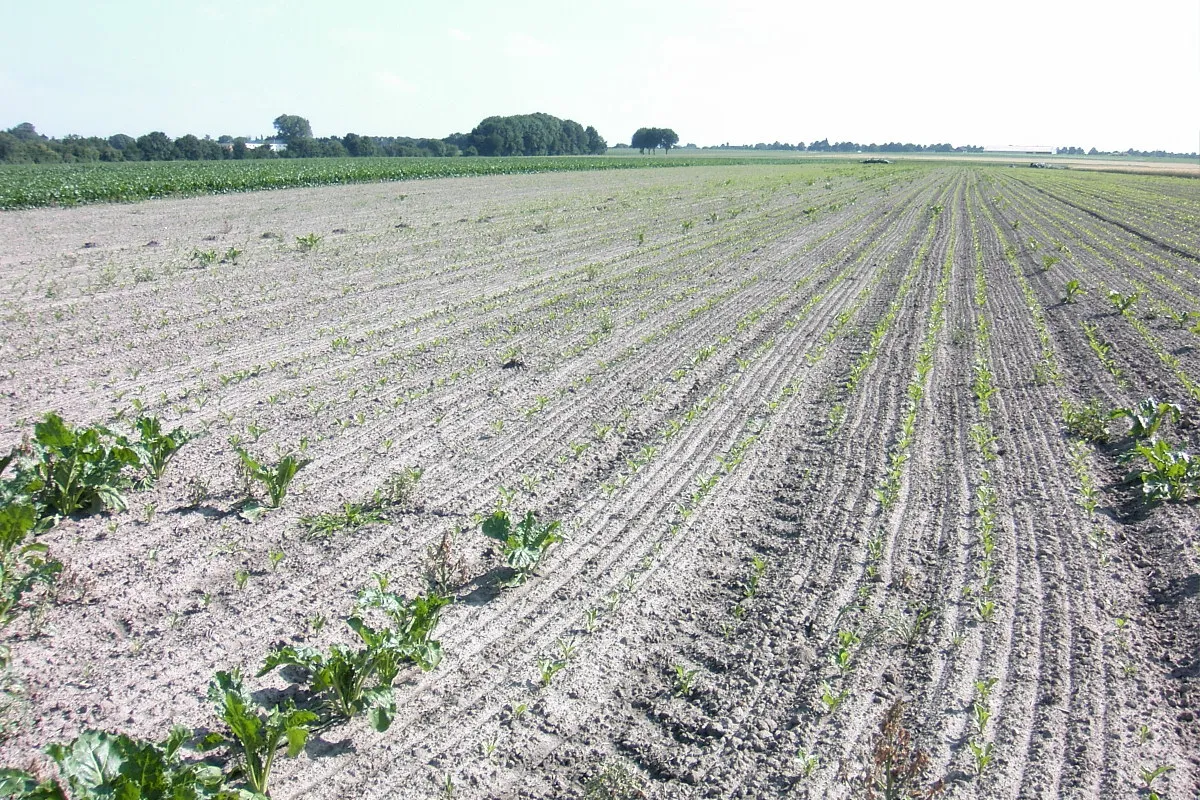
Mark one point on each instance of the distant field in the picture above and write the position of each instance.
(33, 185)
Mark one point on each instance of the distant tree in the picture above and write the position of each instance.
(526, 135)
(595, 142)
(155, 146)
(292, 128)
(363, 146)
(211, 151)
(302, 147)
(239, 148)
(188, 147)
(25, 132)
(652, 138)
(330, 147)
(125, 145)
(1093, 152)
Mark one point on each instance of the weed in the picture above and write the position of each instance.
(352, 517)
(898, 768)
(1088, 421)
(307, 243)
(444, 568)
(614, 781)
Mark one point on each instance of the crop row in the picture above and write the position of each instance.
(26, 186)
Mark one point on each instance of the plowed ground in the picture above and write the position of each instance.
(705, 366)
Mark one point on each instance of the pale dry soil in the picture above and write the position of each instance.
(705, 366)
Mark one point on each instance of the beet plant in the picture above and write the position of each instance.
(352, 680)
(524, 544)
(1170, 474)
(23, 566)
(275, 479)
(102, 765)
(255, 734)
(1147, 417)
(156, 449)
(68, 469)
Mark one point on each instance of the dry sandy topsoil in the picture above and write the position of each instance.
(803, 427)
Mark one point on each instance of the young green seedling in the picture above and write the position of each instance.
(685, 680)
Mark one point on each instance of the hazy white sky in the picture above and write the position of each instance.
(1089, 74)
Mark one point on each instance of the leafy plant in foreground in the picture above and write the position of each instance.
(17, 784)
(524, 544)
(23, 567)
(255, 733)
(1171, 473)
(1147, 416)
(99, 765)
(353, 680)
(74, 469)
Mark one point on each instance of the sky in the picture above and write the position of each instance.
(1025, 72)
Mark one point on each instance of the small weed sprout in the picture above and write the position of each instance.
(307, 243)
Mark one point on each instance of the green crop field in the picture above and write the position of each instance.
(33, 185)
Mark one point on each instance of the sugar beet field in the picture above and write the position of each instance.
(829, 447)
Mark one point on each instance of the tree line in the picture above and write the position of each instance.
(526, 134)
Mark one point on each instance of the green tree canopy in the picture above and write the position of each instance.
(292, 128)
(530, 135)
(155, 146)
(652, 138)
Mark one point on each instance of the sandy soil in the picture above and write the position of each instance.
(736, 348)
